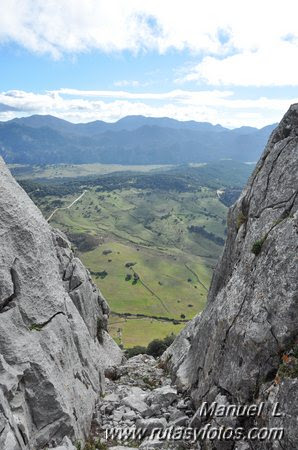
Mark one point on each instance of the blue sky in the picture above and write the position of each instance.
(229, 62)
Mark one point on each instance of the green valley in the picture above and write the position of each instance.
(150, 240)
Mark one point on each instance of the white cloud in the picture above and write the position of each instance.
(59, 26)
(275, 66)
(242, 43)
(175, 94)
(127, 83)
(84, 106)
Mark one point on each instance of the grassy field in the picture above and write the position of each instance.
(154, 219)
(150, 239)
(148, 231)
(75, 170)
(161, 277)
(124, 330)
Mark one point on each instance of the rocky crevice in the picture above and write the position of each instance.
(139, 398)
(40, 326)
(239, 350)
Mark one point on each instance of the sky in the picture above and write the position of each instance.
(231, 62)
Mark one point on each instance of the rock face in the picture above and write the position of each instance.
(243, 347)
(53, 344)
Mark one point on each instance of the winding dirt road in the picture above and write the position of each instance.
(66, 207)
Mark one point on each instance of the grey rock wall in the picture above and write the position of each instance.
(243, 345)
(54, 347)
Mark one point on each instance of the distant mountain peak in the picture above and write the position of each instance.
(46, 139)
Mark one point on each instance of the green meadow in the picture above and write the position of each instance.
(150, 239)
(148, 232)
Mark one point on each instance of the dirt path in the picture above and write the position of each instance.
(196, 275)
(150, 290)
(66, 207)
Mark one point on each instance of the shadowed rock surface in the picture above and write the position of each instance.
(243, 348)
(53, 344)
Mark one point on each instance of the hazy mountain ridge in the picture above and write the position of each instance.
(131, 140)
(128, 123)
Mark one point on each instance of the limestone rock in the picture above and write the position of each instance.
(121, 447)
(65, 445)
(126, 406)
(151, 444)
(163, 396)
(135, 403)
(112, 398)
(178, 418)
(251, 317)
(51, 360)
(153, 410)
(130, 415)
(150, 424)
(174, 356)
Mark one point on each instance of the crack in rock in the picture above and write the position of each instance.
(39, 326)
(14, 279)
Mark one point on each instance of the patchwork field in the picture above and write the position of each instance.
(149, 233)
(149, 241)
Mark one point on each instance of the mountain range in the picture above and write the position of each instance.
(45, 139)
